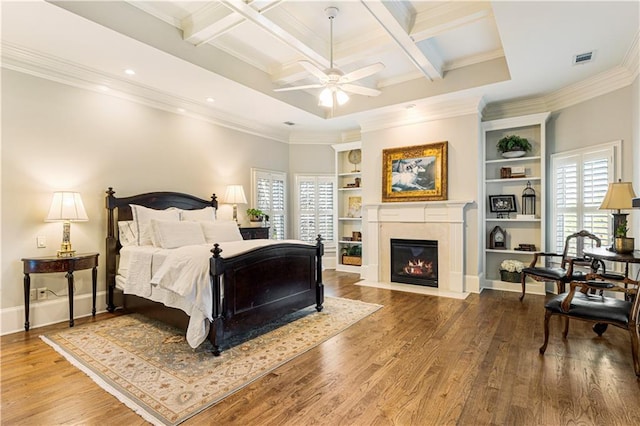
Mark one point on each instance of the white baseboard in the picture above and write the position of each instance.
(48, 312)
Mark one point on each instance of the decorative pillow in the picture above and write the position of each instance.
(142, 221)
(200, 215)
(127, 233)
(221, 231)
(171, 234)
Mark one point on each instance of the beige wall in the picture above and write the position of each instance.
(58, 137)
(463, 136)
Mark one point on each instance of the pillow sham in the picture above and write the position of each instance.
(142, 221)
(199, 215)
(172, 234)
(126, 233)
(221, 231)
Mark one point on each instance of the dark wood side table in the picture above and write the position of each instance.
(255, 233)
(48, 264)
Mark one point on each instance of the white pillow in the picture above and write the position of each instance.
(221, 231)
(127, 233)
(142, 221)
(171, 234)
(200, 215)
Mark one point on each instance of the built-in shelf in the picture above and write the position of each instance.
(506, 180)
(513, 160)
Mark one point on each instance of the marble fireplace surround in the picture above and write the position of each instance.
(442, 221)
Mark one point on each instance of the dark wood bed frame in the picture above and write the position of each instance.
(259, 286)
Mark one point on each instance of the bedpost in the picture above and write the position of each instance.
(111, 247)
(319, 284)
(216, 269)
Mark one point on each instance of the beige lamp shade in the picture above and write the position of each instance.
(235, 195)
(619, 196)
(67, 206)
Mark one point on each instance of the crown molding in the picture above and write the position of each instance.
(48, 67)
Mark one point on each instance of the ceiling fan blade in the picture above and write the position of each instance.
(308, 86)
(311, 68)
(359, 90)
(362, 72)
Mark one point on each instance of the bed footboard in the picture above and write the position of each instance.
(254, 288)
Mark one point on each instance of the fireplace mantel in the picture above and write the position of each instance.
(439, 220)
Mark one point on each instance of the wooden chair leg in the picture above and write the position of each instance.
(524, 277)
(633, 331)
(561, 286)
(547, 316)
(566, 327)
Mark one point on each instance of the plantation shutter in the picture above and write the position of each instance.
(580, 181)
(315, 208)
(270, 194)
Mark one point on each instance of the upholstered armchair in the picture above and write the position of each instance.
(565, 272)
(585, 302)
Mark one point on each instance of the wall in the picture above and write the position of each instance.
(463, 136)
(58, 137)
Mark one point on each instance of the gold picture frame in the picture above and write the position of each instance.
(415, 173)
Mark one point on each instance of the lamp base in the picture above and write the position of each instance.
(66, 253)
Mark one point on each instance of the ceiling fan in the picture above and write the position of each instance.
(334, 81)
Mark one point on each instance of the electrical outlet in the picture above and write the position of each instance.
(42, 293)
(33, 294)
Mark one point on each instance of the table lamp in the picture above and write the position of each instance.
(66, 207)
(619, 196)
(235, 195)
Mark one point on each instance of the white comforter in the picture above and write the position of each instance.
(179, 278)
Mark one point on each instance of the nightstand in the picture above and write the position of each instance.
(49, 264)
(255, 233)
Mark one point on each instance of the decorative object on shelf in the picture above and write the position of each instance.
(355, 207)
(528, 202)
(498, 238)
(352, 255)
(518, 172)
(619, 196)
(357, 182)
(235, 195)
(505, 172)
(415, 173)
(513, 146)
(525, 247)
(502, 205)
(622, 243)
(355, 158)
(66, 207)
(356, 236)
(511, 271)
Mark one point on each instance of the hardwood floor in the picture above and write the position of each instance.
(421, 360)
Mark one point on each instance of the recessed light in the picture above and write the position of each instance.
(129, 71)
(210, 100)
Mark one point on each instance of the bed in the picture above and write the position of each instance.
(260, 282)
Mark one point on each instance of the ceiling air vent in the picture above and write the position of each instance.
(583, 58)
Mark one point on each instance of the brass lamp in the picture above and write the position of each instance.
(235, 195)
(66, 207)
(619, 196)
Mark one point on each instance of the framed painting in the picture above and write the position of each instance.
(415, 173)
(502, 204)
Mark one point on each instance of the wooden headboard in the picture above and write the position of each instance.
(120, 209)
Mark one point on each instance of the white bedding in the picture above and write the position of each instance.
(179, 278)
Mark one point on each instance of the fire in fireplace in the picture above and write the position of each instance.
(414, 262)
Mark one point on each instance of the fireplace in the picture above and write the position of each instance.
(414, 262)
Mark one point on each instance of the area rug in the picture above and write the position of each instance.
(150, 367)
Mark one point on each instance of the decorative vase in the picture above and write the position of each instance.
(510, 277)
(513, 154)
(623, 245)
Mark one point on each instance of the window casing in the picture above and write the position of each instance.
(579, 183)
(269, 194)
(315, 208)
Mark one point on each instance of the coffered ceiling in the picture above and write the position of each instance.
(437, 55)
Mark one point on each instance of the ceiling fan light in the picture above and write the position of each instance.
(326, 99)
(341, 97)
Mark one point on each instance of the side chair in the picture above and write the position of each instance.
(565, 272)
(589, 304)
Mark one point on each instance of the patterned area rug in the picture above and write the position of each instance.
(151, 368)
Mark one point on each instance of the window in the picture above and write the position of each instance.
(580, 180)
(269, 192)
(315, 208)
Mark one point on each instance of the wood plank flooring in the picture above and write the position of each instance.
(420, 360)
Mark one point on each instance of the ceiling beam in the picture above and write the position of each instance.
(400, 34)
(445, 17)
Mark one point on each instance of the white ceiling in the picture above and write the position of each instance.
(436, 54)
